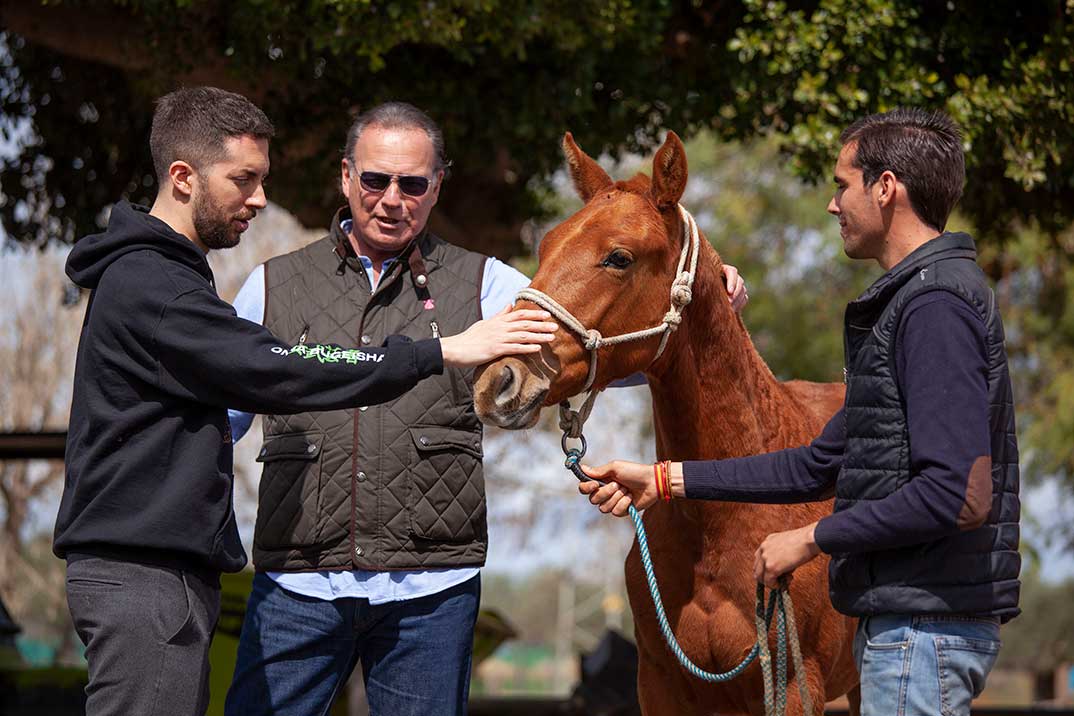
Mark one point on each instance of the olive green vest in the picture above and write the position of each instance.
(384, 487)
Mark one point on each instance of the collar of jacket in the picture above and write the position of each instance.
(945, 246)
(417, 256)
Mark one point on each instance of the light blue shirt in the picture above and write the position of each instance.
(498, 288)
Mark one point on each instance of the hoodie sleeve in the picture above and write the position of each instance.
(249, 303)
(207, 353)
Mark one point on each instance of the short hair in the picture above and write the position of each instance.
(398, 115)
(923, 149)
(191, 124)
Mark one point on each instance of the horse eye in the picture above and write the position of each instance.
(618, 259)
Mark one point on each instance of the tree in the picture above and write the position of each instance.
(37, 350)
(506, 78)
(1042, 639)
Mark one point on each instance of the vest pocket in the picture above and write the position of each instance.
(288, 504)
(447, 492)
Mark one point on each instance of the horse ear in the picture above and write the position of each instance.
(586, 174)
(669, 172)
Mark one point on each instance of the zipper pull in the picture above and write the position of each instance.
(302, 338)
(436, 329)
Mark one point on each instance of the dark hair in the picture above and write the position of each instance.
(191, 124)
(922, 149)
(398, 115)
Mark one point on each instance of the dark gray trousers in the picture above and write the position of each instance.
(147, 632)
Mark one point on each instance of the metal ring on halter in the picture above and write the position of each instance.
(568, 451)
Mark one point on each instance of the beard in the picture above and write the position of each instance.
(213, 224)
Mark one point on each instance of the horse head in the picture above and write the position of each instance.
(612, 266)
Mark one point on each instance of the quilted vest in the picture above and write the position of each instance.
(970, 572)
(383, 487)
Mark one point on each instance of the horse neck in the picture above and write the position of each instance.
(713, 395)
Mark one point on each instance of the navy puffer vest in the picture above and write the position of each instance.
(971, 572)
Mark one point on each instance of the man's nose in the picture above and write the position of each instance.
(258, 200)
(833, 208)
(392, 195)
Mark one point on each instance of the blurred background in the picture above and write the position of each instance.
(760, 91)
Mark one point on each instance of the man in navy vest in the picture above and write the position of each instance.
(922, 457)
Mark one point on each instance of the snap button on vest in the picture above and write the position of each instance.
(366, 340)
(364, 408)
(421, 280)
(359, 551)
(360, 477)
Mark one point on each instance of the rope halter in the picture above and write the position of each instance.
(681, 294)
(572, 421)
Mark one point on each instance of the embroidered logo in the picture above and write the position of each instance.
(429, 304)
(330, 354)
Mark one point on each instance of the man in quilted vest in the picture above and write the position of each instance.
(371, 525)
(922, 457)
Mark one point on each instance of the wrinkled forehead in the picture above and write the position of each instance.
(395, 150)
(614, 217)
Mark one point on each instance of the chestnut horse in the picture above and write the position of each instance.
(611, 265)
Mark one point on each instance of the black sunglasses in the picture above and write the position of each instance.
(408, 184)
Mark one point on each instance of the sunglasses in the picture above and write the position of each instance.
(408, 184)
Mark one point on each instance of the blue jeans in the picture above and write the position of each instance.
(296, 652)
(923, 665)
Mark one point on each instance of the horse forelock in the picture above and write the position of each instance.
(637, 184)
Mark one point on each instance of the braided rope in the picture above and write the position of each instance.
(796, 655)
(572, 421)
(779, 603)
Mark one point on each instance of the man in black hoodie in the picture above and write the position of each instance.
(146, 522)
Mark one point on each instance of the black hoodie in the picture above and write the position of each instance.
(160, 359)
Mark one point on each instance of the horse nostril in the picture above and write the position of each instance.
(505, 387)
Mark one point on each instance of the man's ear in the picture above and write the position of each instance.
(181, 175)
(438, 181)
(885, 188)
(345, 177)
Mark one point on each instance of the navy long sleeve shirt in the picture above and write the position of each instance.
(942, 374)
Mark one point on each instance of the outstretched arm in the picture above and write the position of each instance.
(210, 355)
(802, 474)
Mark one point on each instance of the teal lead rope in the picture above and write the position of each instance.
(779, 603)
